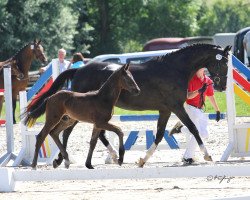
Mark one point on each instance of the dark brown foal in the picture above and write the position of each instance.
(94, 107)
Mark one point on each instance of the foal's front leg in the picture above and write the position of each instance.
(93, 141)
(110, 127)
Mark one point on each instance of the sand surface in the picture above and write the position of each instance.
(163, 188)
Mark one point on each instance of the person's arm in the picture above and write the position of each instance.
(43, 69)
(193, 94)
(214, 103)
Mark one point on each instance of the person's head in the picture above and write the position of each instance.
(77, 57)
(61, 54)
(200, 73)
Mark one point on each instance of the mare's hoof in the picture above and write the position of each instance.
(111, 159)
(120, 162)
(55, 164)
(33, 166)
(89, 166)
(66, 164)
(141, 163)
(208, 158)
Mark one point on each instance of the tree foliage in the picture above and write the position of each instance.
(112, 26)
(224, 16)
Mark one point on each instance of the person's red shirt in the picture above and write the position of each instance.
(195, 84)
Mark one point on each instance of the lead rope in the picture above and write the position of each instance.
(202, 99)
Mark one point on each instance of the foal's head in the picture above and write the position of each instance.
(127, 80)
(217, 67)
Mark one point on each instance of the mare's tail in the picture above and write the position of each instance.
(37, 107)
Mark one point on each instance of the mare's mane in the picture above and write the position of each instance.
(198, 46)
(19, 51)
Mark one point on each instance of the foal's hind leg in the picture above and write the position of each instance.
(183, 116)
(55, 137)
(93, 141)
(111, 149)
(117, 130)
(161, 126)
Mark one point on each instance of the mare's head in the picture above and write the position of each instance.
(127, 80)
(38, 51)
(216, 63)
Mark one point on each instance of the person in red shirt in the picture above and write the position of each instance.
(200, 87)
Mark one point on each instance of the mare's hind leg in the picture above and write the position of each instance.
(93, 141)
(117, 130)
(161, 126)
(66, 125)
(183, 116)
(111, 149)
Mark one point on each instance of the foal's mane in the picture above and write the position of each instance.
(197, 46)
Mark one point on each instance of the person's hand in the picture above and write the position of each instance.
(217, 116)
(203, 88)
(41, 70)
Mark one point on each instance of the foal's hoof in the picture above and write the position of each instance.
(55, 164)
(66, 164)
(141, 163)
(208, 158)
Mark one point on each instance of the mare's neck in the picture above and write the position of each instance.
(196, 60)
(24, 59)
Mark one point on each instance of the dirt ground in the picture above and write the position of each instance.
(163, 188)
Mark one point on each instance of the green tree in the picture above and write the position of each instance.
(83, 38)
(121, 25)
(25, 20)
(223, 16)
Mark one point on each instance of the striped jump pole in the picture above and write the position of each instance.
(239, 133)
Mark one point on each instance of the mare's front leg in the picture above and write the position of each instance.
(110, 127)
(161, 126)
(183, 116)
(93, 141)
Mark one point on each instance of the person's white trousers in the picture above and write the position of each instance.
(201, 121)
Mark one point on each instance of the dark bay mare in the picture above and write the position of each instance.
(94, 107)
(20, 66)
(163, 82)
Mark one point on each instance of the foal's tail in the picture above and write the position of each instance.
(31, 117)
(38, 106)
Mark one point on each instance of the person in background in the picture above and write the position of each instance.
(200, 87)
(77, 61)
(59, 64)
(246, 45)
